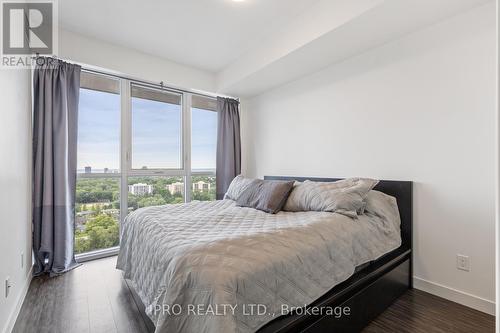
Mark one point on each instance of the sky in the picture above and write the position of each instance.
(156, 133)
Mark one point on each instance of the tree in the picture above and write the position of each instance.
(201, 196)
(100, 232)
(133, 201)
(178, 200)
(165, 194)
(156, 200)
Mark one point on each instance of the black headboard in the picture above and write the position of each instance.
(401, 190)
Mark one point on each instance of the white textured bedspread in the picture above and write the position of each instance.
(201, 266)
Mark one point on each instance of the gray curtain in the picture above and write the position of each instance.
(228, 144)
(56, 87)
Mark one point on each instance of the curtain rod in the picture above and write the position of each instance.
(154, 84)
(151, 83)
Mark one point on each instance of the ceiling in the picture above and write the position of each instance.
(205, 34)
(249, 47)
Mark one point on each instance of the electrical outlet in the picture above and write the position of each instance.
(7, 286)
(463, 262)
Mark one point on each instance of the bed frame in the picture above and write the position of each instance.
(367, 293)
(373, 288)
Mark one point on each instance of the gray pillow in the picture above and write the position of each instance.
(237, 186)
(266, 195)
(343, 196)
(385, 207)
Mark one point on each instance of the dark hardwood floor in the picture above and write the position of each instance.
(95, 298)
(420, 312)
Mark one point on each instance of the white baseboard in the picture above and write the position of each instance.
(454, 295)
(13, 316)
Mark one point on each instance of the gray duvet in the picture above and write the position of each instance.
(204, 266)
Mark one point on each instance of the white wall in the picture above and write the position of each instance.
(15, 189)
(75, 47)
(421, 108)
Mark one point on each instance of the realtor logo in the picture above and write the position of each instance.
(28, 28)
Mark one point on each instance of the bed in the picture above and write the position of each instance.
(216, 267)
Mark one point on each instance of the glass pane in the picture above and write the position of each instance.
(97, 213)
(154, 191)
(203, 188)
(203, 140)
(98, 132)
(156, 129)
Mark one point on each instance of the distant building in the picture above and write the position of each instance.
(88, 169)
(201, 186)
(178, 187)
(140, 189)
(175, 188)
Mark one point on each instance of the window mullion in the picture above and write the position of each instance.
(187, 146)
(125, 151)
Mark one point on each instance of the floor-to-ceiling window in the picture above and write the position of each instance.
(98, 164)
(139, 145)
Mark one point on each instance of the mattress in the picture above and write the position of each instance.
(215, 267)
